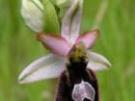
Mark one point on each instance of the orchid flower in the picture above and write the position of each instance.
(53, 64)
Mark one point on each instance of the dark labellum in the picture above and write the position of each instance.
(76, 73)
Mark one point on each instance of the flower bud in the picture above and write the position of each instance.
(41, 16)
(32, 12)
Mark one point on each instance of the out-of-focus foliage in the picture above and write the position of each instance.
(18, 47)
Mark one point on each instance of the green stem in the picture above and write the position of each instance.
(101, 13)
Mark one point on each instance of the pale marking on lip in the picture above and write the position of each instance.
(83, 90)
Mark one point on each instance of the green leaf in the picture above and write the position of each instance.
(51, 20)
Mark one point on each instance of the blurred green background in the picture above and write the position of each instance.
(19, 47)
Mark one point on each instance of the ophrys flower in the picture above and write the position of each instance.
(52, 65)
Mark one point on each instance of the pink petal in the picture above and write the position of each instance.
(55, 44)
(88, 39)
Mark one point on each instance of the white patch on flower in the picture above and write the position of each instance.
(83, 90)
(32, 12)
